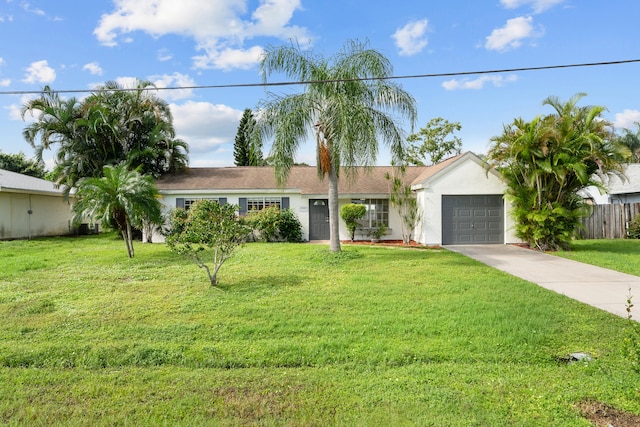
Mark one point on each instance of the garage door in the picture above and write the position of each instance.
(472, 220)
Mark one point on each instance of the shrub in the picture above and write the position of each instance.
(350, 214)
(290, 227)
(634, 228)
(273, 224)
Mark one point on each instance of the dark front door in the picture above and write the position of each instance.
(473, 219)
(318, 219)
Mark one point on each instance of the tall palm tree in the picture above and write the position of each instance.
(347, 104)
(121, 198)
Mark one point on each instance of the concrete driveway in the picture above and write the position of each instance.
(602, 288)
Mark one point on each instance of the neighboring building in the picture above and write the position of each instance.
(460, 202)
(620, 190)
(31, 207)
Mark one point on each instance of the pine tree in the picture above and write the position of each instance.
(247, 151)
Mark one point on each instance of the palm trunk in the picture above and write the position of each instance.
(129, 239)
(334, 214)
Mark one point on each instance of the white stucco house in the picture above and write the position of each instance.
(31, 207)
(460, 202)
(619, 190)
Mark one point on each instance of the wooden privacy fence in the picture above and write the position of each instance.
(609, 221)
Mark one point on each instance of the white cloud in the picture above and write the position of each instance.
(174, 80)
(537, 5)
(229, 59)
(27, 7)
(5, 82)
(40, 72)
(455, 84)
(15, 110)
(411, 38)
(164, 55)
(205, 126)
(2, 61)
(511, 35)
(94, 68)
(627, 119)
(219, 28)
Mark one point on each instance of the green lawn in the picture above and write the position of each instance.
(619, 254)
(299, 337)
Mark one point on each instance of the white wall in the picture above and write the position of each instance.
(51, 216)
(465, 177)
(297, 203)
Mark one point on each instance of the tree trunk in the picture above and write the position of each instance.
(129, 239)
(334, 214)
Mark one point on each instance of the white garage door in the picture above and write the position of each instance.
(472, 220)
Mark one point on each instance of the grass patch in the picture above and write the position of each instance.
(615, 254)
(371, 336)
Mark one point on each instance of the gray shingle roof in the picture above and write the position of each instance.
(19, 183)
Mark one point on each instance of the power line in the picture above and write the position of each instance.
(293, 83)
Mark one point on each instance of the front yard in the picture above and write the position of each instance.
(373, 336)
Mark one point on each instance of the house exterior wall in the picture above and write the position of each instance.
(51, 216)
(298, 203)
(465, 177)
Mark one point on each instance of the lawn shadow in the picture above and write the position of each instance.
(261, 283)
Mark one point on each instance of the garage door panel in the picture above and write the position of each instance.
(473, 219)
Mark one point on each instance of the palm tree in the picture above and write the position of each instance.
(110, 126)
(347, 105)
(546, 162)
(121, 198)
(631, 140)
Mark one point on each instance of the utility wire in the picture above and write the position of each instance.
(292, 83)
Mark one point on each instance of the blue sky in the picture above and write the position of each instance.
(73, 44)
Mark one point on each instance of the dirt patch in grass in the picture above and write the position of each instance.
(603, 415)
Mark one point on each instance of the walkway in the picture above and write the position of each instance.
(602, 288)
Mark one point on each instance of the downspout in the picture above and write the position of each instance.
(30, 212)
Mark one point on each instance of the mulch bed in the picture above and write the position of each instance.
(393, 243)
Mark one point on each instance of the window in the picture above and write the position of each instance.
(259, 203)
(377, 212)
(186, 203)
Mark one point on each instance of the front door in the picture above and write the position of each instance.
(319, 219)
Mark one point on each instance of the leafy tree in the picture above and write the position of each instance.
(631, 140)
(347, 104)
(351, 213)
(20, 164)
(207, 232)
(546, 161)
(403, 199)
(247, 149)
(431, 142)
(121, 198)
(110, 126)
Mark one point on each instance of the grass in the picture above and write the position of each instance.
(619, 254)
(371, 336)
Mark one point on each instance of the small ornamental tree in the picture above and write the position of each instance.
(405, 201)
(207, 233)
(351, 213)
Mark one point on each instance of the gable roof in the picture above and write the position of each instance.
(631, 183)
(18, 183)
(302, 179)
